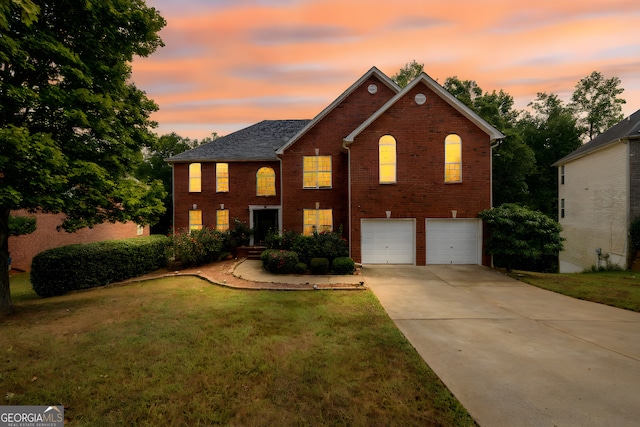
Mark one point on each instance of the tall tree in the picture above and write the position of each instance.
(406, 74)
(513, 160)
(72, 125)
(596, 102)
(154, 168)
(552, 132)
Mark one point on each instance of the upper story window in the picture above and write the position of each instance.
(222, 177)
(316, 171)
(222, 219)
(453, 158)
(317, 219)
(562, 174)
(387, 159)
(195, 219)
(266, 182)
(195, 177)
(561, 208)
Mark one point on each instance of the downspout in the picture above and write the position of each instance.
(346, 147)
(280, 225)
(173, 197)
(492, 146)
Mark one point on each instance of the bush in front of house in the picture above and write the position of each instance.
(279, 261)
(68, 268)
(343, 265)
(523, 239)
(198, 247)
(319, 266)
(300, 268)
(326, 244)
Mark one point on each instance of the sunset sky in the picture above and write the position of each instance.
(230, 63)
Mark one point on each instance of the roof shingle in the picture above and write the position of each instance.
(258, 142)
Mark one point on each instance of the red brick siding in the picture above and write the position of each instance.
(327, 136)
(24, 248)
(242, 192)
(420, 191)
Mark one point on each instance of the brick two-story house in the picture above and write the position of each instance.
(403, 172)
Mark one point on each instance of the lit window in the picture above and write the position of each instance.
(318, 219)
(195, 220)
(266, 182)
(140, 230)
(317, 171)
(195, 178)
(452, 158)
(387, 160)
(222, 219)
(222, 177)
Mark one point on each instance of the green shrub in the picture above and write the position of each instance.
(327, 244)
(343, 265)
(239, 235)
(319, 266)
(279, 261)
(67, 268)
(198, 247)
(521, 238)
(286, 241)
(300, 268)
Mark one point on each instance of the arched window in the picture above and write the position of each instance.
(195, 177)
(266, 182)
(453, 158)
(387, 159)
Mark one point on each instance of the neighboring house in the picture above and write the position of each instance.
(22, 249)
(599, 196)
(403, 172)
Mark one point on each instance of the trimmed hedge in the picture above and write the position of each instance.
(343, 265)
(279, 261)
(68, 268)
(319, 266)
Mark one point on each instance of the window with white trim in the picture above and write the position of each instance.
(317, 219)
(387, 159)
(453, 158)
(195, 177)
(195, 219)
(316, 171)
(266, 182)
(222, 177)
(562, 175)
(222, 219)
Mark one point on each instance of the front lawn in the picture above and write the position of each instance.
(181, 351)
(616, 288)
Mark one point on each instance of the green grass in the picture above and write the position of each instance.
(182, 352)
(615, 288)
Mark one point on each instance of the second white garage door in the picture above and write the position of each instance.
(453, 241)
(388, 241)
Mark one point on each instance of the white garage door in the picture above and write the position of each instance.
(388, 241)
(454, 241)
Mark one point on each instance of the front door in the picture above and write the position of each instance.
(264, 221)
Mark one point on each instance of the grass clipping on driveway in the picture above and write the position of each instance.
(180, 351)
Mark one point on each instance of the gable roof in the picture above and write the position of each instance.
(258, 142)
(628, 128)
(372, 72)
(493, 133)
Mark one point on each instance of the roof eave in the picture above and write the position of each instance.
(373, 71)
(493, 133)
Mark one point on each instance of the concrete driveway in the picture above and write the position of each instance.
(514, 354)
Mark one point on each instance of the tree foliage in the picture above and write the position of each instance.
(21, 225)
(407, 73)
(72, 125)
(520, 236)
(596, 102)
(513, 160)
(551, 131)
